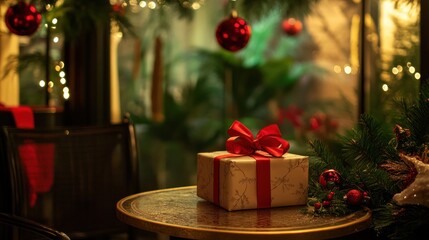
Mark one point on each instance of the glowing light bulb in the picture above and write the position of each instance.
(417, 75)
(151, 5)
(347, 69)
(385, 87)
(337, 69)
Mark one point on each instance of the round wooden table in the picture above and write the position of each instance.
(181, 213)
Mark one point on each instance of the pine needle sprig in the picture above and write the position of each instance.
(366, 145)
(257, 8)
(414, 116)
(325, 156)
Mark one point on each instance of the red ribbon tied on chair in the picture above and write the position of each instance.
(242, 143)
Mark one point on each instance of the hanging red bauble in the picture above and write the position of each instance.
(233, 34)
(22, 19)
(119, 9)
(354, 197)
(292, 26)
(330, 177)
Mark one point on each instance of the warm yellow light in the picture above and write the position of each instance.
(196, 6)
(63, 81)
(337, 69)
(417, 76)
(395, 70)
(66, 95)
(412, 69)
(151, 5)
(57, 68)
(400, 68)
(347, 69)
(42, 83)
(385, 87)
(54, 21)
(66, 90)
(143, 4)
(62, 74)
(56, 39)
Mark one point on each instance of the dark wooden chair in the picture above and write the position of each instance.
(70, 178)
(20, 228)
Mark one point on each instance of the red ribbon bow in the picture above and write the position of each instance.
(268, 139)
(241, 142)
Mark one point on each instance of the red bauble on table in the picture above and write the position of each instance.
(22, 19)
(292, 26)
(233, 34)
(317, 205)
(354, 197)
(330, 177)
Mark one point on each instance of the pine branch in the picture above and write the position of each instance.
(367, 144)
(291, 8)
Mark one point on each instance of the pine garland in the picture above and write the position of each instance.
(368, 159)
(292, 8)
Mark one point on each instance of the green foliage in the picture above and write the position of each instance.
(192, 120)
(360, 155)
(20, 63)
(257, 8)
(76, 17)
(415, 116)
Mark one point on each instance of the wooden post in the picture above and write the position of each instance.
(88, 64)
(157, 93)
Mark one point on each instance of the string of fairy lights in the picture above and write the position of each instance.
(59, 71)
(133, 5)
(137, 5)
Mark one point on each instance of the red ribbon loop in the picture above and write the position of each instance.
(268, 139)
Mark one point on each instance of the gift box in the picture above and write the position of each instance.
(238, 183)
(253, 173)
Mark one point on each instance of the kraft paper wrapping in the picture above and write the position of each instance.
(237, 180)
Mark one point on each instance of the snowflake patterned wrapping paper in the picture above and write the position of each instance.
(238, 182)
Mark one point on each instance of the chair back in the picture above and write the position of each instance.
(70, 178)
(20, 228)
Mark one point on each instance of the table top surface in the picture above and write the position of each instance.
(181, 213)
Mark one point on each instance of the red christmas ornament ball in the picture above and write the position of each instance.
(354, 197)
(330, 196)
(233, 34)
(119, 9)
(317, 205)
(292, 26)
(326, 204)
(330, 176)
(22, 19)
